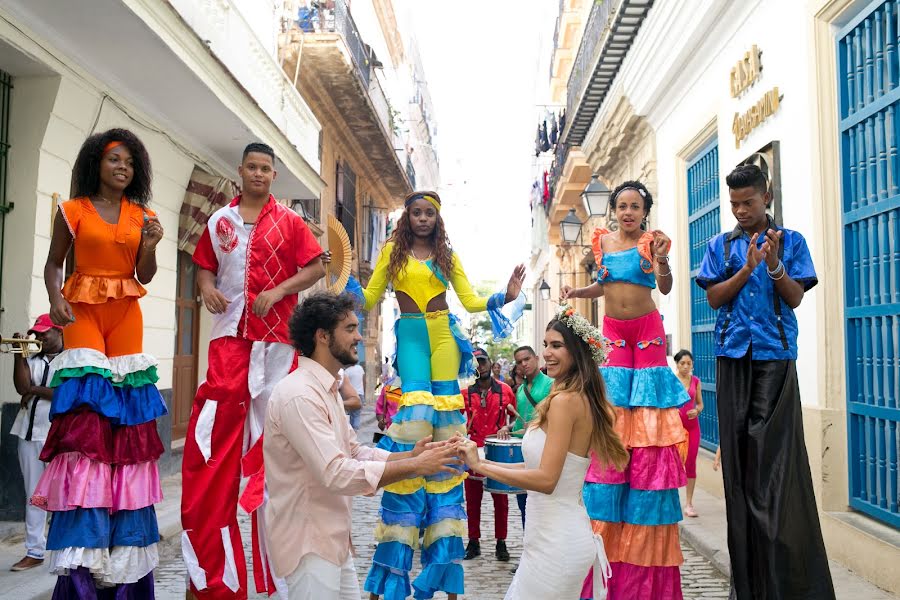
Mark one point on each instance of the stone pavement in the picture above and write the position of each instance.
(705, 553)
(486, 577)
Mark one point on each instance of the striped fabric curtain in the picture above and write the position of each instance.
(204, 195)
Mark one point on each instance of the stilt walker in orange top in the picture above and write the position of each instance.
(254, 256)
(102, 479)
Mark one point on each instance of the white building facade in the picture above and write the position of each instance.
(809, 91)
(196, 82)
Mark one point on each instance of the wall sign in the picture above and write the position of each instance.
(743, 75)
(765, 107)
(745, 72)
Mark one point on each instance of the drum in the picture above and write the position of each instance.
(502, 451)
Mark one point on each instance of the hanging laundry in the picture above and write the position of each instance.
(545, 143)
(562, 121)
(537, 142)
(546, 197)
(554, 130)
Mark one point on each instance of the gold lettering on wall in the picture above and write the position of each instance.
(743, 124)
(745, 72)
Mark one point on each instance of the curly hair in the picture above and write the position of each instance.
(87, 166)
(634, 185)
(403, 240)
(321, 310)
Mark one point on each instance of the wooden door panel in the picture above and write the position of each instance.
(184, 375)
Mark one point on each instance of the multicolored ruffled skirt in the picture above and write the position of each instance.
(637, 511)
(102, 478)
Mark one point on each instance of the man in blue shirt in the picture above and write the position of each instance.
(755, 276)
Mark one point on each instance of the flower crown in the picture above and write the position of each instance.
(592, 336)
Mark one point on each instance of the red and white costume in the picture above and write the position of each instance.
(248, 355)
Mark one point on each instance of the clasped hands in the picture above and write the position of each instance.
(438, 457)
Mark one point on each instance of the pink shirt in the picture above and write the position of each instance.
(314, 465)
(692, 392)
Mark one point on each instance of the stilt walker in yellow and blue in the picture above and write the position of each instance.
(432, 352)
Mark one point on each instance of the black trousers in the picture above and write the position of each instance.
(774, 538)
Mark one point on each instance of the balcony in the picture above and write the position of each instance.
(330, 64)
(610, 30)
(566, 37)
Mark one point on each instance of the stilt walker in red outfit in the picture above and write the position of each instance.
(254, 256)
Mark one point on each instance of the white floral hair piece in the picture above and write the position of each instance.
(593, 337)
(631, 187)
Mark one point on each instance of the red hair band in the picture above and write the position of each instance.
(111, 145)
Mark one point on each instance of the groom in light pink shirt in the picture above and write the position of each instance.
(314, 463)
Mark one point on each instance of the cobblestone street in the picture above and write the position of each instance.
(486, 578)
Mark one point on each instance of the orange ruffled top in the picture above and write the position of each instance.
(105, 253)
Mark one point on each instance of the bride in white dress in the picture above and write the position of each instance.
(575, 419)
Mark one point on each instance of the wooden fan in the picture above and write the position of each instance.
(338, 271)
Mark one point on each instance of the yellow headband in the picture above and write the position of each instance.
(431, 199)
(423, 196)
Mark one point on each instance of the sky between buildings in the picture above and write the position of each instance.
(486, 63)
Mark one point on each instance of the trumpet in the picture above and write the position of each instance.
(24, 346)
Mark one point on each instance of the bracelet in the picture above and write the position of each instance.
(146, 249)
(779, 269)
(664, 274)
(663, 257)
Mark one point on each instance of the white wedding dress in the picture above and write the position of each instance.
(559, 546)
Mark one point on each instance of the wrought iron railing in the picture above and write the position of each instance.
(583, 67)
(561, 154)
(343, 24)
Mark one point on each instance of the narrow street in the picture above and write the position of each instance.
(486, 578)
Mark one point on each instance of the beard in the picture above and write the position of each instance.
(344, 355)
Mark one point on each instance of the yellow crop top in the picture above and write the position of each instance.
(418, 281)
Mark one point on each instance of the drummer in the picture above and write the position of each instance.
(489, 406)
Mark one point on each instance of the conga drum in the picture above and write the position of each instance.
(502, 451)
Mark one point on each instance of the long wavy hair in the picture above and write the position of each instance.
(584, 379)
(403, 236)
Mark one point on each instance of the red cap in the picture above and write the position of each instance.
(42, 324)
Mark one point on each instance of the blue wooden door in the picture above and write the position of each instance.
(870, 204)
(704, 223)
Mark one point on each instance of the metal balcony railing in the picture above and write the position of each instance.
(561, 154)
(610, 30)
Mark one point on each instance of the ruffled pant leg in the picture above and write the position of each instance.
(402, 503)
(104, 411)
(445, 517)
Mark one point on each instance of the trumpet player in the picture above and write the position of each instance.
(31, 426)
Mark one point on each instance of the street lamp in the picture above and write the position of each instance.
(570, 228)
(300, 208)
(596, 198)
(545, 290)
